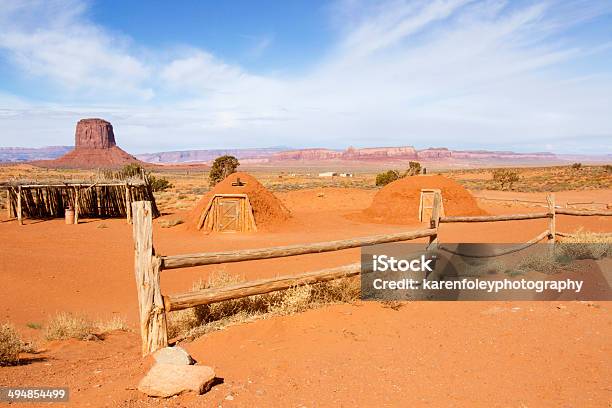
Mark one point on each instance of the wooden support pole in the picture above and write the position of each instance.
(550, 199)
(128, 203)
(153, 328)
(19, 213)
(76, 205)
(434, 221)
(9, 204)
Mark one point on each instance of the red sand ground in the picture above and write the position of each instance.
(436, 354)
(400, 200)
(268, 210)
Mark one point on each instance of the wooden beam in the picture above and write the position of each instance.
(19, 209)
(9, 204)
(258, 287)
(153, 328)
(210, 258)
(434, 222)
(585, 213)
(507, 251)
(552, 221)
(76, 204)
(128, 203)
(493, 218)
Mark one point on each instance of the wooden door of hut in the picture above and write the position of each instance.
(228, 213)
(426, 203)
(229, 217)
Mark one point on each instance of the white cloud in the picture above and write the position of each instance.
(457, 73)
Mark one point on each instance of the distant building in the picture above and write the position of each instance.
(328, 174)
(346, 174)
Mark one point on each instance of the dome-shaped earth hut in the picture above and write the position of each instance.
(239, 203)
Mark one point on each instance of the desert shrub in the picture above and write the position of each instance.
(136, 170)
(170, 223)
(222, 167)
(200, 320)
(159, 183)
(576, 166)
(382, 179)
(114, 324)
(505, 177)
(414, 168)
(10, 345)
(608, 168)
(68, 326)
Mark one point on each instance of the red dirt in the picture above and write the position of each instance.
(399, 201)
(434, 354)
(268, 210)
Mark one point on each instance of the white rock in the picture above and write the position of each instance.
(167, 380)
(173, 355)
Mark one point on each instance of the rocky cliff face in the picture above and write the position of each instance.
(307, 154)
(94, 134)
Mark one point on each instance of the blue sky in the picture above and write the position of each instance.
(512, 75)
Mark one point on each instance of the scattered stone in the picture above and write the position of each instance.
(173, 355)
(230, 397)
(167, 380)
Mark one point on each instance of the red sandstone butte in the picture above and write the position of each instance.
(95, 147)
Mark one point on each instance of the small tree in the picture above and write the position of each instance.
(135, 170)
(414, 168)
(608, 168)
(222, 167)
(576, 166)
(505, 177)
(382, 179)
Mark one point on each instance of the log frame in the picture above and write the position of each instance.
(495, 218)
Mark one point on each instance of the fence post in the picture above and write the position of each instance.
(434, 222)
(76, 205)
(146, 268)
(19, 215)
(552, 221)
(9, 204)
(128, 203)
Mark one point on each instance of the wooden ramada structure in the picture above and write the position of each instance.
(95, 199)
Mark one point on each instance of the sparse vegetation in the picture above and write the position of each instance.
(68, 326)
(170, 223)
(577, 166)
(505, 178)
(222, 167)
(200, 320)
(10, 345)
(33, 325)
(159, 183)
(135, 170)
(382, 179)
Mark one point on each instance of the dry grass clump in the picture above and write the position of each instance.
(170, 223)
(70, 326)
(194, 322)
(586, 245)
(116, 323)
(10, 345)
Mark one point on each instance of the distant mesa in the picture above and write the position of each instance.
(94, 134)
(95, 147)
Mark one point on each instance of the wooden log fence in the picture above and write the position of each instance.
(148, 266)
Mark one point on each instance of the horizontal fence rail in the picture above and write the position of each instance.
(211, 258)
(493, 218)
(584, 213)
(257, 287)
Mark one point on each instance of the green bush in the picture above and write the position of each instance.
(159, 183)
(382, 179)
(505, 177)
(136, 170)
(222, 167)
(414, 168)
(576, 166)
